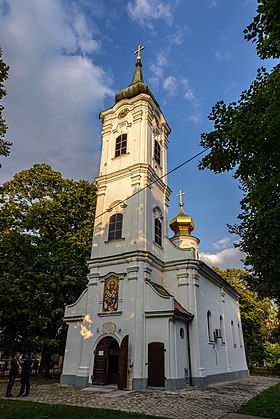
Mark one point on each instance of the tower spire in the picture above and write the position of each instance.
(137, 86)
(138, 76)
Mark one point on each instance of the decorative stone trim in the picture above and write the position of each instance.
(109, 313)
(109, 327)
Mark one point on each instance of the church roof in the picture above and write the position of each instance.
(178, 309)
(137, 85)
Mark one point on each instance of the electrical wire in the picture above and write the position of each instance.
(154, 181)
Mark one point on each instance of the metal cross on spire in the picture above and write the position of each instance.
(181, 198)
(139, 49)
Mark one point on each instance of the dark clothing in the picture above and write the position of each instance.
(35, 366)
(10, 385)
(25, 376)
(14, 367)
(12, 375)
(26, 367)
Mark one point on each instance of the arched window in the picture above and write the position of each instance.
(157, 152)
(222, 328)
(121, 143)
(239, 335)
(115, 227)
(233, 334)
(158, 231)
(209, 327)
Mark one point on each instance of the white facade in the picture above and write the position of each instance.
(151, 308)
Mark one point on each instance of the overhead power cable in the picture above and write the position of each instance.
(154, 181)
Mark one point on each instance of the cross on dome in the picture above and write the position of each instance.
(180, 194)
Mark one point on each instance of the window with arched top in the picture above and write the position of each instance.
(157, 152)
(209, 327)
(115, 227)
(121, 145)
(222, 329)
(239, 335)
(158, 226)
(233, 334)
(158, 231)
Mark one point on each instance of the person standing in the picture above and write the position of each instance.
(14, 368)
(26, 368)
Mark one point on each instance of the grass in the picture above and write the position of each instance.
(11, 409)
(265, 404)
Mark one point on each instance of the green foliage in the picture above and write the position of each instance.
(4, 144)
(265, 404)
(272, 354)
(258, 316)
(265, 29)
(46, 225)
(246, 138)
(26, 410)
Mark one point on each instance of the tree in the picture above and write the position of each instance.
(4, 144)
(258, 316)
(46, 225)
(265, 29)
(246, 139)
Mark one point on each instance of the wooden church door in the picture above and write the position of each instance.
(156, 364)
(110, 362)
(123, 364)
(100, 362)
(106, 362)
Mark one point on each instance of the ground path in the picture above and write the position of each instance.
(213, 402)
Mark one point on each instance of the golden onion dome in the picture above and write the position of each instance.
(182, 224)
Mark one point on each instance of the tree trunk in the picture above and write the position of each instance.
(44, 369)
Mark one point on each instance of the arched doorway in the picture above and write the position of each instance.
(106, 362)
(110, 362)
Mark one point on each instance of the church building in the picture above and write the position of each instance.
(153, 314)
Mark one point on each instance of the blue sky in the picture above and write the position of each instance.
(67, 58)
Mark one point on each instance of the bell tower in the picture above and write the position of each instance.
(130, 214)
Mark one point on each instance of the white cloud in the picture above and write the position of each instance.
(157, 70)
(54, 90)
(189, 95)
(212, 3)
(83, 35)
(161, 59)
(171, 85)
(223, 243)
(145, 11)
(222, 56)
(176, 38)
(196, 117)
(228, 258)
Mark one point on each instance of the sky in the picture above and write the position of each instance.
(67, 59)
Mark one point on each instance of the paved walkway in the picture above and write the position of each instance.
(213, 402)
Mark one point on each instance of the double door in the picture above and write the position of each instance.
(110, 362)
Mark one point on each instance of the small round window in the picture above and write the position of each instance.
(182, 333)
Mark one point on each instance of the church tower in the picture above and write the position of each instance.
(148, 315)
(131, 215)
